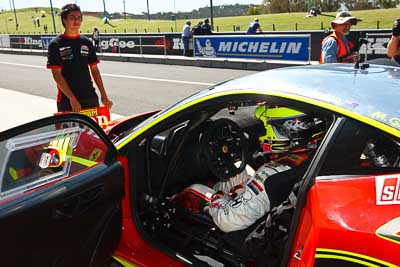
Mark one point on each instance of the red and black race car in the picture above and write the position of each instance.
(311, 156)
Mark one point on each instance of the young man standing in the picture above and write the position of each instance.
(335, 47)
(70, 56)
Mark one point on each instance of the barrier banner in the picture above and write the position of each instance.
(46, 41)
(376, 45)
(131, 44)
(275, 47)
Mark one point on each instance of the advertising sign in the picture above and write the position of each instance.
(376, 45)
(277, 47)
(46, 41)
(5, 41)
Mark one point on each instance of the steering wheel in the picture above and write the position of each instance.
(224, 144)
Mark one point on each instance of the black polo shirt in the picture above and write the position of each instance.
(74, 56)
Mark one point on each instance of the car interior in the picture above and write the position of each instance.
(210, 143)
(207, 144)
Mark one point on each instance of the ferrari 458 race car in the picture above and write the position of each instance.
(318, 147)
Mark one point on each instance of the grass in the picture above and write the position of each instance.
(281, 22)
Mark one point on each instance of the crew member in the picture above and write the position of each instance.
(393, 49)
(335, 47)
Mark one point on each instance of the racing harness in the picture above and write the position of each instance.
(268, 239)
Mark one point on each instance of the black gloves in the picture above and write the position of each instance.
(396, 28)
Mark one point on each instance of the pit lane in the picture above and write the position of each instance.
(133, 87)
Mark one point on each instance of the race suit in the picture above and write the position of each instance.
(243, 199)
(245, 203)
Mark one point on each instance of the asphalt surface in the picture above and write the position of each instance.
(133, 87)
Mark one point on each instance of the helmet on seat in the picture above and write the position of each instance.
(286, 128)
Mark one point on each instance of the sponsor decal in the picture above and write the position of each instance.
(101, 115)
(383, 117)
(66, 53)
(84, 50)
(255, 187)
(387, 189)
(236, 202)
(283, 47)
(377, 44)
(116, 42)
(96, 153)
(30, 41)
(160, 43)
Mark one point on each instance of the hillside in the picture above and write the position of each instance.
(370, 19)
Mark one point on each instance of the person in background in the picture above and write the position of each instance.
(335, 48)
(186, 34)
(70, 57)
(393, 48)
(206, 28)
(96, 38)
(196, 30)
(254, 27)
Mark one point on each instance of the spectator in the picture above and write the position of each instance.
(206, 28)
(393, 49)
(70, 56)
(335, 47)
(186, 34)
(254, 27)
(197, 28)
(96, 38)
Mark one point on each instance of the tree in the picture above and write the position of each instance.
(253, 10)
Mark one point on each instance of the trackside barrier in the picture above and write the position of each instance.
(120, 44)
(123, 44)
(171, 44)
(293, 47)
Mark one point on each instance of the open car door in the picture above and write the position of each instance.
(61, 184)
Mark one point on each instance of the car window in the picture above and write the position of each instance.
(47, 154)
(362, 150)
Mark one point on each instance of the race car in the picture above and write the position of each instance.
(320, 143)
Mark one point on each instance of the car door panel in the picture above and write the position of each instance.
(345, 225)
(62, 215)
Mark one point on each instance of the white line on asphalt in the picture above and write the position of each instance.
(116, 75)
(154, 79)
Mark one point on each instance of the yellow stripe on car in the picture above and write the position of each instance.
(325, 253)
(307, 100)
(124, 262)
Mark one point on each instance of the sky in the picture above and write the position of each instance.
(131, 6)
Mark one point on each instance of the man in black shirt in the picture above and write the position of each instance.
(206, 28)
(70, 56)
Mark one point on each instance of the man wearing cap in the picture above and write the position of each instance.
(335, 47)
(393, 48)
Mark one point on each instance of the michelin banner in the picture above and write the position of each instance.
(271, 47)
